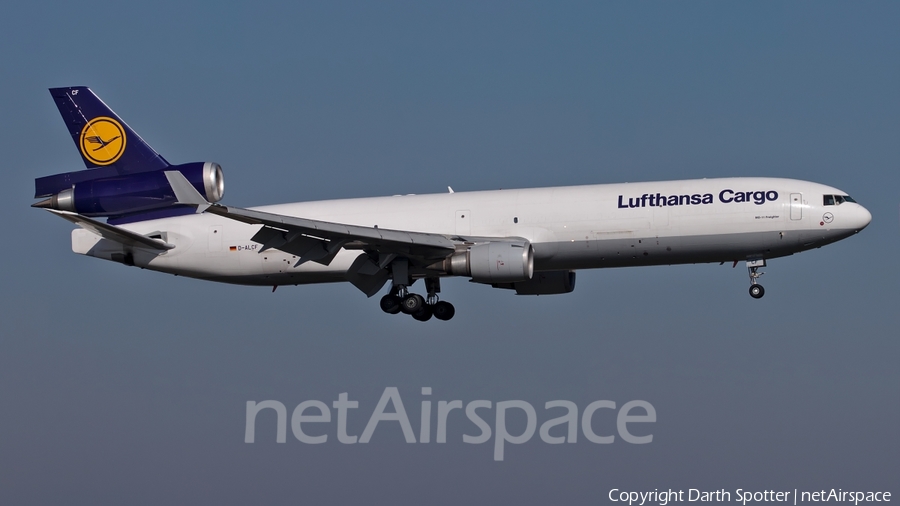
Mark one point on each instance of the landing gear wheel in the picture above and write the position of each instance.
(757, 291)
(412, 303)
(423, 314)
(390, 304)
(443, 310)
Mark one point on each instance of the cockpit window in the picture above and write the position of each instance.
(834, 200)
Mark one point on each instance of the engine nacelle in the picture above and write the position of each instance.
(494, 262)
(543, 283)
(132, 193)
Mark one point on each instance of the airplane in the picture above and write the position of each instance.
(168, 218)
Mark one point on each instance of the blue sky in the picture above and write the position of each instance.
(121, 385)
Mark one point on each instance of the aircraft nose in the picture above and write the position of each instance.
(862, 217)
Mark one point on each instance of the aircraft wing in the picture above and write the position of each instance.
(112, 232)
(300, 236)
(320, 241)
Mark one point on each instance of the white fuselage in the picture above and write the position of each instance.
(577, 227)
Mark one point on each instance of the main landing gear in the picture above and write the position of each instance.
(756, 290)
(413, 304)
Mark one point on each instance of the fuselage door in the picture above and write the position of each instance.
(796, 206)
(463, 222)
(215, 241)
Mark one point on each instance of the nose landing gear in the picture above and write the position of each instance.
(756, 290)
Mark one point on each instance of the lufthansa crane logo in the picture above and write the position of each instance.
(102, 141)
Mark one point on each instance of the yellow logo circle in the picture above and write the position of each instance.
(102, 140)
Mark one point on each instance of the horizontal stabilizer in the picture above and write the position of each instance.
(185, 191)
(112, 232)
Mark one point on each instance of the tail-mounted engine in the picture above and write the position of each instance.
(493, 262)
(133, 193)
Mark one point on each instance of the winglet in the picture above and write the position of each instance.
(185, 191)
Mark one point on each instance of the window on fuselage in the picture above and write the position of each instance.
(836, 200)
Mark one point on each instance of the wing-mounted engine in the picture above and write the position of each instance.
(493, 262)
(118, 195)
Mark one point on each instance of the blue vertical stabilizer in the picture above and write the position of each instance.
(107, 145)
